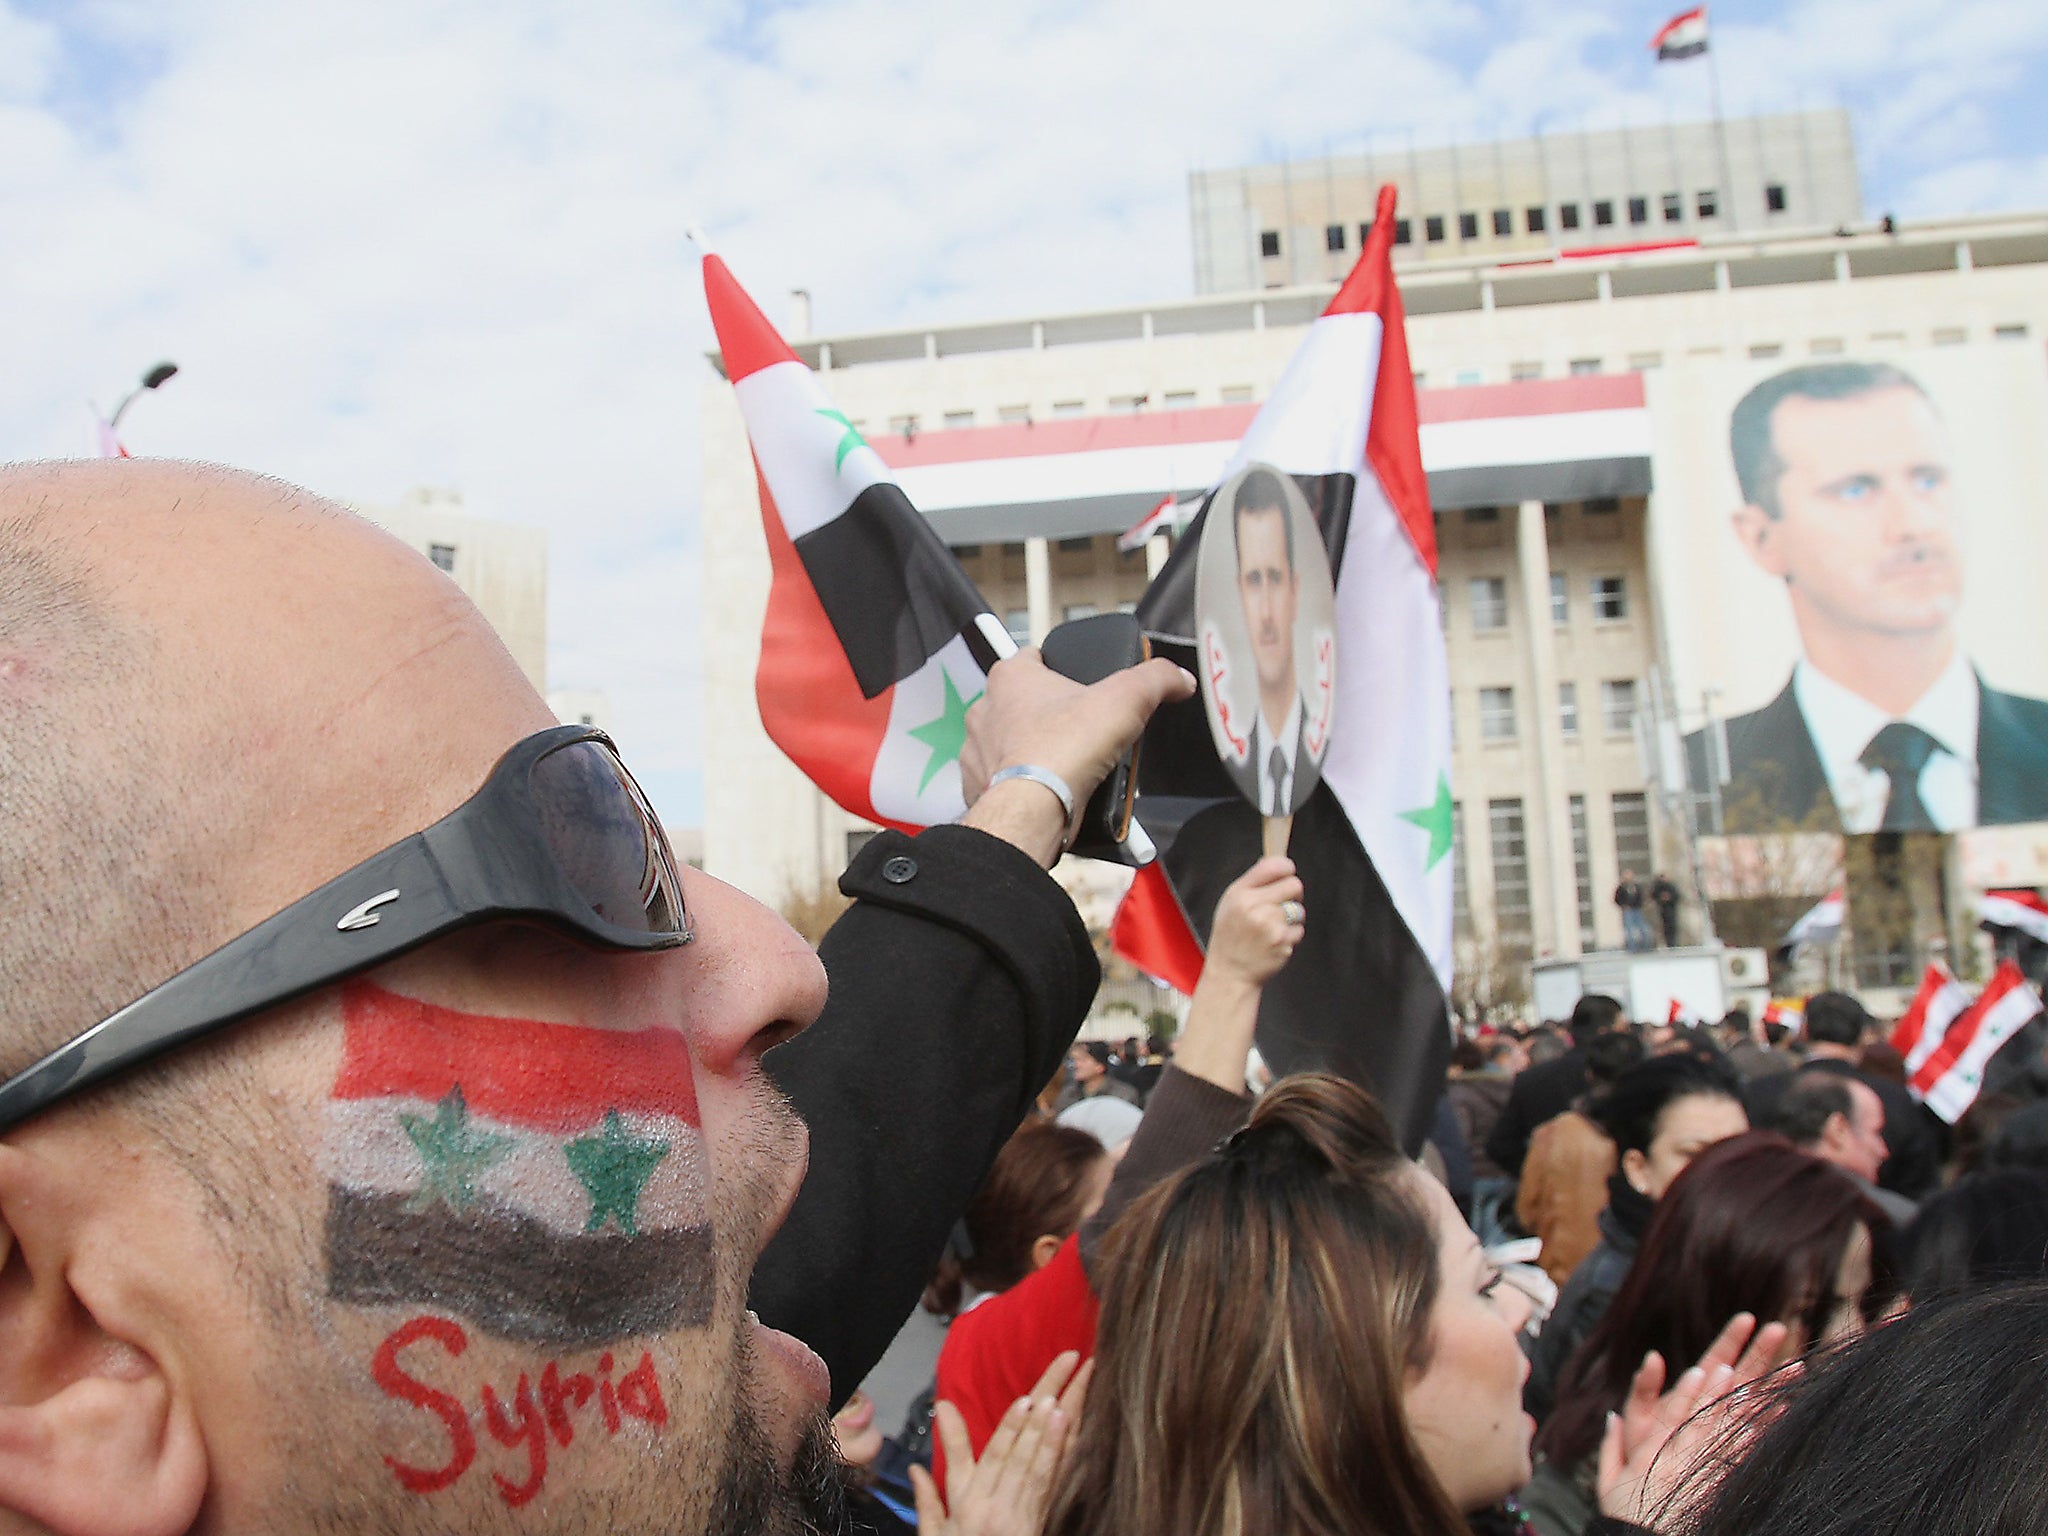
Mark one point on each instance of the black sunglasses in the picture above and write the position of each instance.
(559, 834)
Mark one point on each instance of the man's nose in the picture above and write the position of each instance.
(748, 980)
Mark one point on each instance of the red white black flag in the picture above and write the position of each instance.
(875, 641)
(1950, 1077)
(1684, 36)
(1365, 994)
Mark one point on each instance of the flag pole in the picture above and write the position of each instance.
(1720, 128)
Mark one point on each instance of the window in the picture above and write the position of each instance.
(1404, 232)
(857, 840)
(1567, 215)
(1237, 394)
(1618, 706)
(2009, 332)
(1560, 598)
(1582, 870)
(1018, 622)
(1568, 709)
(443, 556)
(1503, 221)
(1825, 346)
(1610, 597)
(1709, 203)
(1482, 514)
(904, 427)
(1600, 506)
(1643, 362)
(1496, 714)
(959, 419)
(1468, 376)
(1179, 399)
(1079, 611)
(1674, 207)
(1461, 890)
(1581, 366)
(1014, 415)
(1269, 242)
(1433, 227)
(1532, 220)
(1639, 210)
(1765, 349)
(1126, 405)
(1521, 373)
(1603, 212)
(1364, 233)
(1774, 197)
(1468, 226)
(1076, 546)
(1950, 336)
(966, 551)
(1068, 408)
(1510, 868)
(1333, 237)
(1489, 598)
(1632, 833)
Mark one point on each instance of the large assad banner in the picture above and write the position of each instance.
(1850, 553)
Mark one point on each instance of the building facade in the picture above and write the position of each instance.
(1559, 399)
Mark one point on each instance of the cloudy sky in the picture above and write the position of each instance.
(440, 242)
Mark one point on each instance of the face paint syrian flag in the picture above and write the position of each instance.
(545, 1181)
(875, 641)
(1365, 992)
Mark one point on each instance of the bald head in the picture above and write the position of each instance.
(216, 692)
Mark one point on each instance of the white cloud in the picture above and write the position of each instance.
(404, 242)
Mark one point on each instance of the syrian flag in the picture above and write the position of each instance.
(2020, 909)
(875, 641)
(1170, 516)
(1365, 993)
(1820, 923)
(1684, 36)
(1925, 1023)
(545, 1181)
(1949, 1080)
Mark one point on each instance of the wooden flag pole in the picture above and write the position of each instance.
(1277, 828)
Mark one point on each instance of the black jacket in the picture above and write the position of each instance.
(1913, 1138)
(1775, 774)
(958, 980)
(1588, 1293)
(1539, 1094)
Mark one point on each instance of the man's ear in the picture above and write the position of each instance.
(95, 1438)
(1836, 1132)
(1756, 531)
(1635, 1168)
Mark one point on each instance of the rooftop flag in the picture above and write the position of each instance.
(1684, 36)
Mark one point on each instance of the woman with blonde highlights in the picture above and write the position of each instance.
(1298, 1335)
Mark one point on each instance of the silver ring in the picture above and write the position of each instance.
(1292, 912)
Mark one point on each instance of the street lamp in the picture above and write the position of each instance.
(154, 379)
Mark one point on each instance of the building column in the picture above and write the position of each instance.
(1553, 882)
(1038, 587)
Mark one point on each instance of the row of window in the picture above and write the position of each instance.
(1507, 838)
(1498, 720)
(1487, 598)
(1600, 213)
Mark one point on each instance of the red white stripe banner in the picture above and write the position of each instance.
(1950, 1078)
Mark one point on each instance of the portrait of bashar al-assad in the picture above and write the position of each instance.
(1884, 725)
(1264, 606)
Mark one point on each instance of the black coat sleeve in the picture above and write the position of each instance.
(957, 980)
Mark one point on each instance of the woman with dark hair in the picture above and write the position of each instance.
(1046, 1181)
(1659, 1114)
(1986, 1228)
(1299, 1334)
(1753, 1226)
(1934, 1425)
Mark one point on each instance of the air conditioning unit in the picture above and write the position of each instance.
(1745, 968)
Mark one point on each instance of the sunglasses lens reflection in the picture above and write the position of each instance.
(606, 839)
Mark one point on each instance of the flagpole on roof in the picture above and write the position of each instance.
(1721, 132)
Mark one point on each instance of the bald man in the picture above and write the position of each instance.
(425, 1197)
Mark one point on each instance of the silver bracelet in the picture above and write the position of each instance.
(1049, 779)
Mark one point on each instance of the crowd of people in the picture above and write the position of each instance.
(394, 1138)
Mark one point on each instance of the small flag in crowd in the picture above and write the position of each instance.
(543, 1180)
(1365, 994)
(2022, 910)
(875, 641)
(1951, 1068)
(1927, 1018)
(1820, 923)
(1684, 36)
(1168, 517)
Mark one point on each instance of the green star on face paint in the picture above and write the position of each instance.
(614, 1166)
(945, 735)
(452, 1152)
(1435, 819)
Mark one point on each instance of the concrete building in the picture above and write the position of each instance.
(1304, 221)
(501, 567)
(1562, 428)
